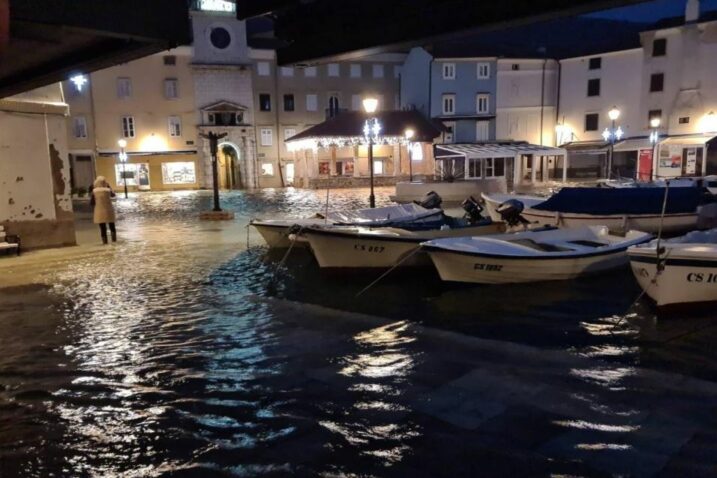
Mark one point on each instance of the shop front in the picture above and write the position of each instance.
(150, 172)
(686, 156)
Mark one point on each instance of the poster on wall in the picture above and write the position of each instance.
(179, 173)
(691, 162)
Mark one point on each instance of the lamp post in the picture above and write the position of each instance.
(654, 139)
(409, 134)
(123, 159)
(611, 135)
(371, 130)
(213, 139)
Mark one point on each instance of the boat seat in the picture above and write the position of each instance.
(585, 242)
(541, 246)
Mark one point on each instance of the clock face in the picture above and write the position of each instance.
(220, 37)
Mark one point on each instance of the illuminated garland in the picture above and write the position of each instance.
(341, 142)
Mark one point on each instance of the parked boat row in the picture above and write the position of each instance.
(575, 232)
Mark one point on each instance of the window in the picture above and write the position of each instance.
(483, 71)
(356, 102)
(175, 126)
(657, 82)
(267, 169)
(378, 71)
(494, 167)
(79, 127)
(171, 88)
(128, 126)
(448, 135)
(220, 38)
(378, 166)
(659, 47)
(124, 88)
(594, 87)
(482, 130)
(267, 136)
(310, 72)
(416, 152)
(591, 121)
(595, 63)
(264, 102)
(355, 71)
(449, 104)
(311, 102)
(683, 120)
(263, 68)
(179, 173)
(474, 168)
(482, 101)
(515, 67)
(225, 118)
(339, 168)
(333, 69)
(287, 71)
(397, 71)
(653, 114)
(169, 60)
(289, 132)
(449, 71)
(289, 102)
(324, 168)
(130, 172)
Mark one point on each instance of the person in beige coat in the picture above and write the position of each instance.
(104, 212)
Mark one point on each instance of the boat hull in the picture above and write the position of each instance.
(480, 269)
(682, 281)
(334, 249)
(673, 223)
(492, 201)
(278, 236)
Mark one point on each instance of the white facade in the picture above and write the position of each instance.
(526, 100)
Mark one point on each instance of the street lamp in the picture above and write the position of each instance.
(611, 135)
(654, 139)
(123, 159)
(409, 134)
(371, 129)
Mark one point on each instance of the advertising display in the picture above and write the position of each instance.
(179, 173)
(691, 161)
(644, 165)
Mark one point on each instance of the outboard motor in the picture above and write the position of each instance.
(473, 210)
(431, 200)
(510, 211)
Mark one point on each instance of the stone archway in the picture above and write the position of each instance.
(232, 170)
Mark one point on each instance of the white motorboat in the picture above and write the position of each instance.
(492, 201)
(276, 231)
(363, 247)
(531, 256)
(684, 272)
(620, 209)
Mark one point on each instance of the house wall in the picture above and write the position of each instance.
(35, 198)
(518, 100)
(415, 81)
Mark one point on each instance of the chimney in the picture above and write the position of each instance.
(692, 11)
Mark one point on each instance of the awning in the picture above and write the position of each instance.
(494, 150)
(633, 144)
(696, 140)
(587, 147)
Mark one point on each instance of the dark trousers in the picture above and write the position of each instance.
(103, 232)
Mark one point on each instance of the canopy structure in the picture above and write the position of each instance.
(346, 129)
(525, 157)
(633, 144)
(587, 147)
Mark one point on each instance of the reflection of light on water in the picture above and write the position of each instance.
(600, 427)
(382, 368)
(607, 350)
(602, 446)
(604, 376)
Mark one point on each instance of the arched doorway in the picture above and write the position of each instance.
(232, 170)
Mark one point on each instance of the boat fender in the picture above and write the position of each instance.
(558, 218)
(625, 220)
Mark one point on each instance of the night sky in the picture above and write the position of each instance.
(653, 11)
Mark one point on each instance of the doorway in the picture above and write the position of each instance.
(231, 173)
(289, 171)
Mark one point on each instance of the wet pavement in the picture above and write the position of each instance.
(180, 352)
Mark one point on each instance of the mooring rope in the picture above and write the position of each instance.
(404, 259)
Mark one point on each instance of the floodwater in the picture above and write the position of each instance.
(180, 352)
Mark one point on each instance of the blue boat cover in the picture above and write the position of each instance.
(622, 201)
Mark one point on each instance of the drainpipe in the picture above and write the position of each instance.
(278, 127)
(430, 88)
(557, 101)
(542, 100)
